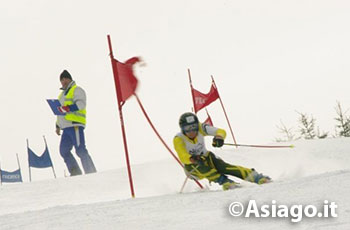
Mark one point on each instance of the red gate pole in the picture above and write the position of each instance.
(194, 105)
(223, 108)
(160, 138)
(120, 105)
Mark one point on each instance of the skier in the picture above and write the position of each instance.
(72, 122)
(200, 163)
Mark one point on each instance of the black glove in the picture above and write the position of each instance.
(198, 159)
(218, 142)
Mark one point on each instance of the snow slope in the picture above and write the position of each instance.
(308, 174)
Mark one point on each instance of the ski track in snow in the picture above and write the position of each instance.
(308, 174)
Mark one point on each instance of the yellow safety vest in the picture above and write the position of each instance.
(76, 116)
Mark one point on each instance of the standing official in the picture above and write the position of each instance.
(72, 122)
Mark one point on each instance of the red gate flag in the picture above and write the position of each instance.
(208, 120)
(125, 86)
(124, 78)
(202, 100)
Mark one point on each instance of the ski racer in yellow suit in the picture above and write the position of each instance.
(200, 163)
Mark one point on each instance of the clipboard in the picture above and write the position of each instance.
(54, 103)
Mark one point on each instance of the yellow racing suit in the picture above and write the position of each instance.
(210, 167)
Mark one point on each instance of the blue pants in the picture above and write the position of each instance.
(74, 136)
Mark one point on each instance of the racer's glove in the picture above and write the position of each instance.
(218, 142)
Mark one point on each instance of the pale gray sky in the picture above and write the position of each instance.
(269, 58)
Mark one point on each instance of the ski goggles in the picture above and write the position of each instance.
(190, 128)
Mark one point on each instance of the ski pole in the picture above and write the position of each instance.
(261, 146)
(188, 175)
(183, 185)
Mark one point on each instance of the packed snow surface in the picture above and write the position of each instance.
(308, 174)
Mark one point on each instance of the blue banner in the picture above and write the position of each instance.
(11, 177)
(44, 161)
